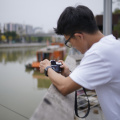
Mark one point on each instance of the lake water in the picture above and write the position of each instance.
(21, 90)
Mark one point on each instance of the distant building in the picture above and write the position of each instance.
(29, 29)
(115, 20)
(38, 30)
(18, 28)
(0, 27)
(9, 27)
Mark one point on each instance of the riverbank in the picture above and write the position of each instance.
(16, 45)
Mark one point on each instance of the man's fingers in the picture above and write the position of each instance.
(62, 66)
(60, 60)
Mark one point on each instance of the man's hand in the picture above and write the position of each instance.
(65, 70)
(44, 64)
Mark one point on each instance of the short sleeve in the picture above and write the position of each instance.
(92, 71)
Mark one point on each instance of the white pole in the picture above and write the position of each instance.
(107, 17)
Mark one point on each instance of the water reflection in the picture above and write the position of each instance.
(16, 54)
(42, 80)
(23, 56)
(21, 90)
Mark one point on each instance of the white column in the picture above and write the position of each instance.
(107, 17)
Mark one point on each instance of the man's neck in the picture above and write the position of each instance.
(93, 38)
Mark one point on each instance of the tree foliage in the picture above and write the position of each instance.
(117, 28)
(3, 37)
(117, 11)
(15, 38)
(10, 35)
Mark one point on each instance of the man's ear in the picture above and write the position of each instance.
(78, 35)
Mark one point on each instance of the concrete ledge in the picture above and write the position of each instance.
(55, 106)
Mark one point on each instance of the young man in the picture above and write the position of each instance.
(100, 67)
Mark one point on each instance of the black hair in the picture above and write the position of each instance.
(76, 19)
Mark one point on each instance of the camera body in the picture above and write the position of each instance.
(56, 66)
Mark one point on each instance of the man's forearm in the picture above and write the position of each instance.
(64, 84)
(57, 79)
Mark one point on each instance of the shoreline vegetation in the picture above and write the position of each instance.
(16, 45)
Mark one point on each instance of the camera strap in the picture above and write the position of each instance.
(75, 106)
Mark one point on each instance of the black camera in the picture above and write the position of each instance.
(56, 66)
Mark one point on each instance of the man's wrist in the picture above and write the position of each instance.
(46, 70)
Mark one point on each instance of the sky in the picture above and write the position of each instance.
(42, 13)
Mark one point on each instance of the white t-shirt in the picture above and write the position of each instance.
(100, 70)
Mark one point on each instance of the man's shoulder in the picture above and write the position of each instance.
(105, 44)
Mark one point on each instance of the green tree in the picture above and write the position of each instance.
(117, 28)
(117, 11)
(11, 35)
(3, 38)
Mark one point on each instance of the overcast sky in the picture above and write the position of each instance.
(42, 13)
